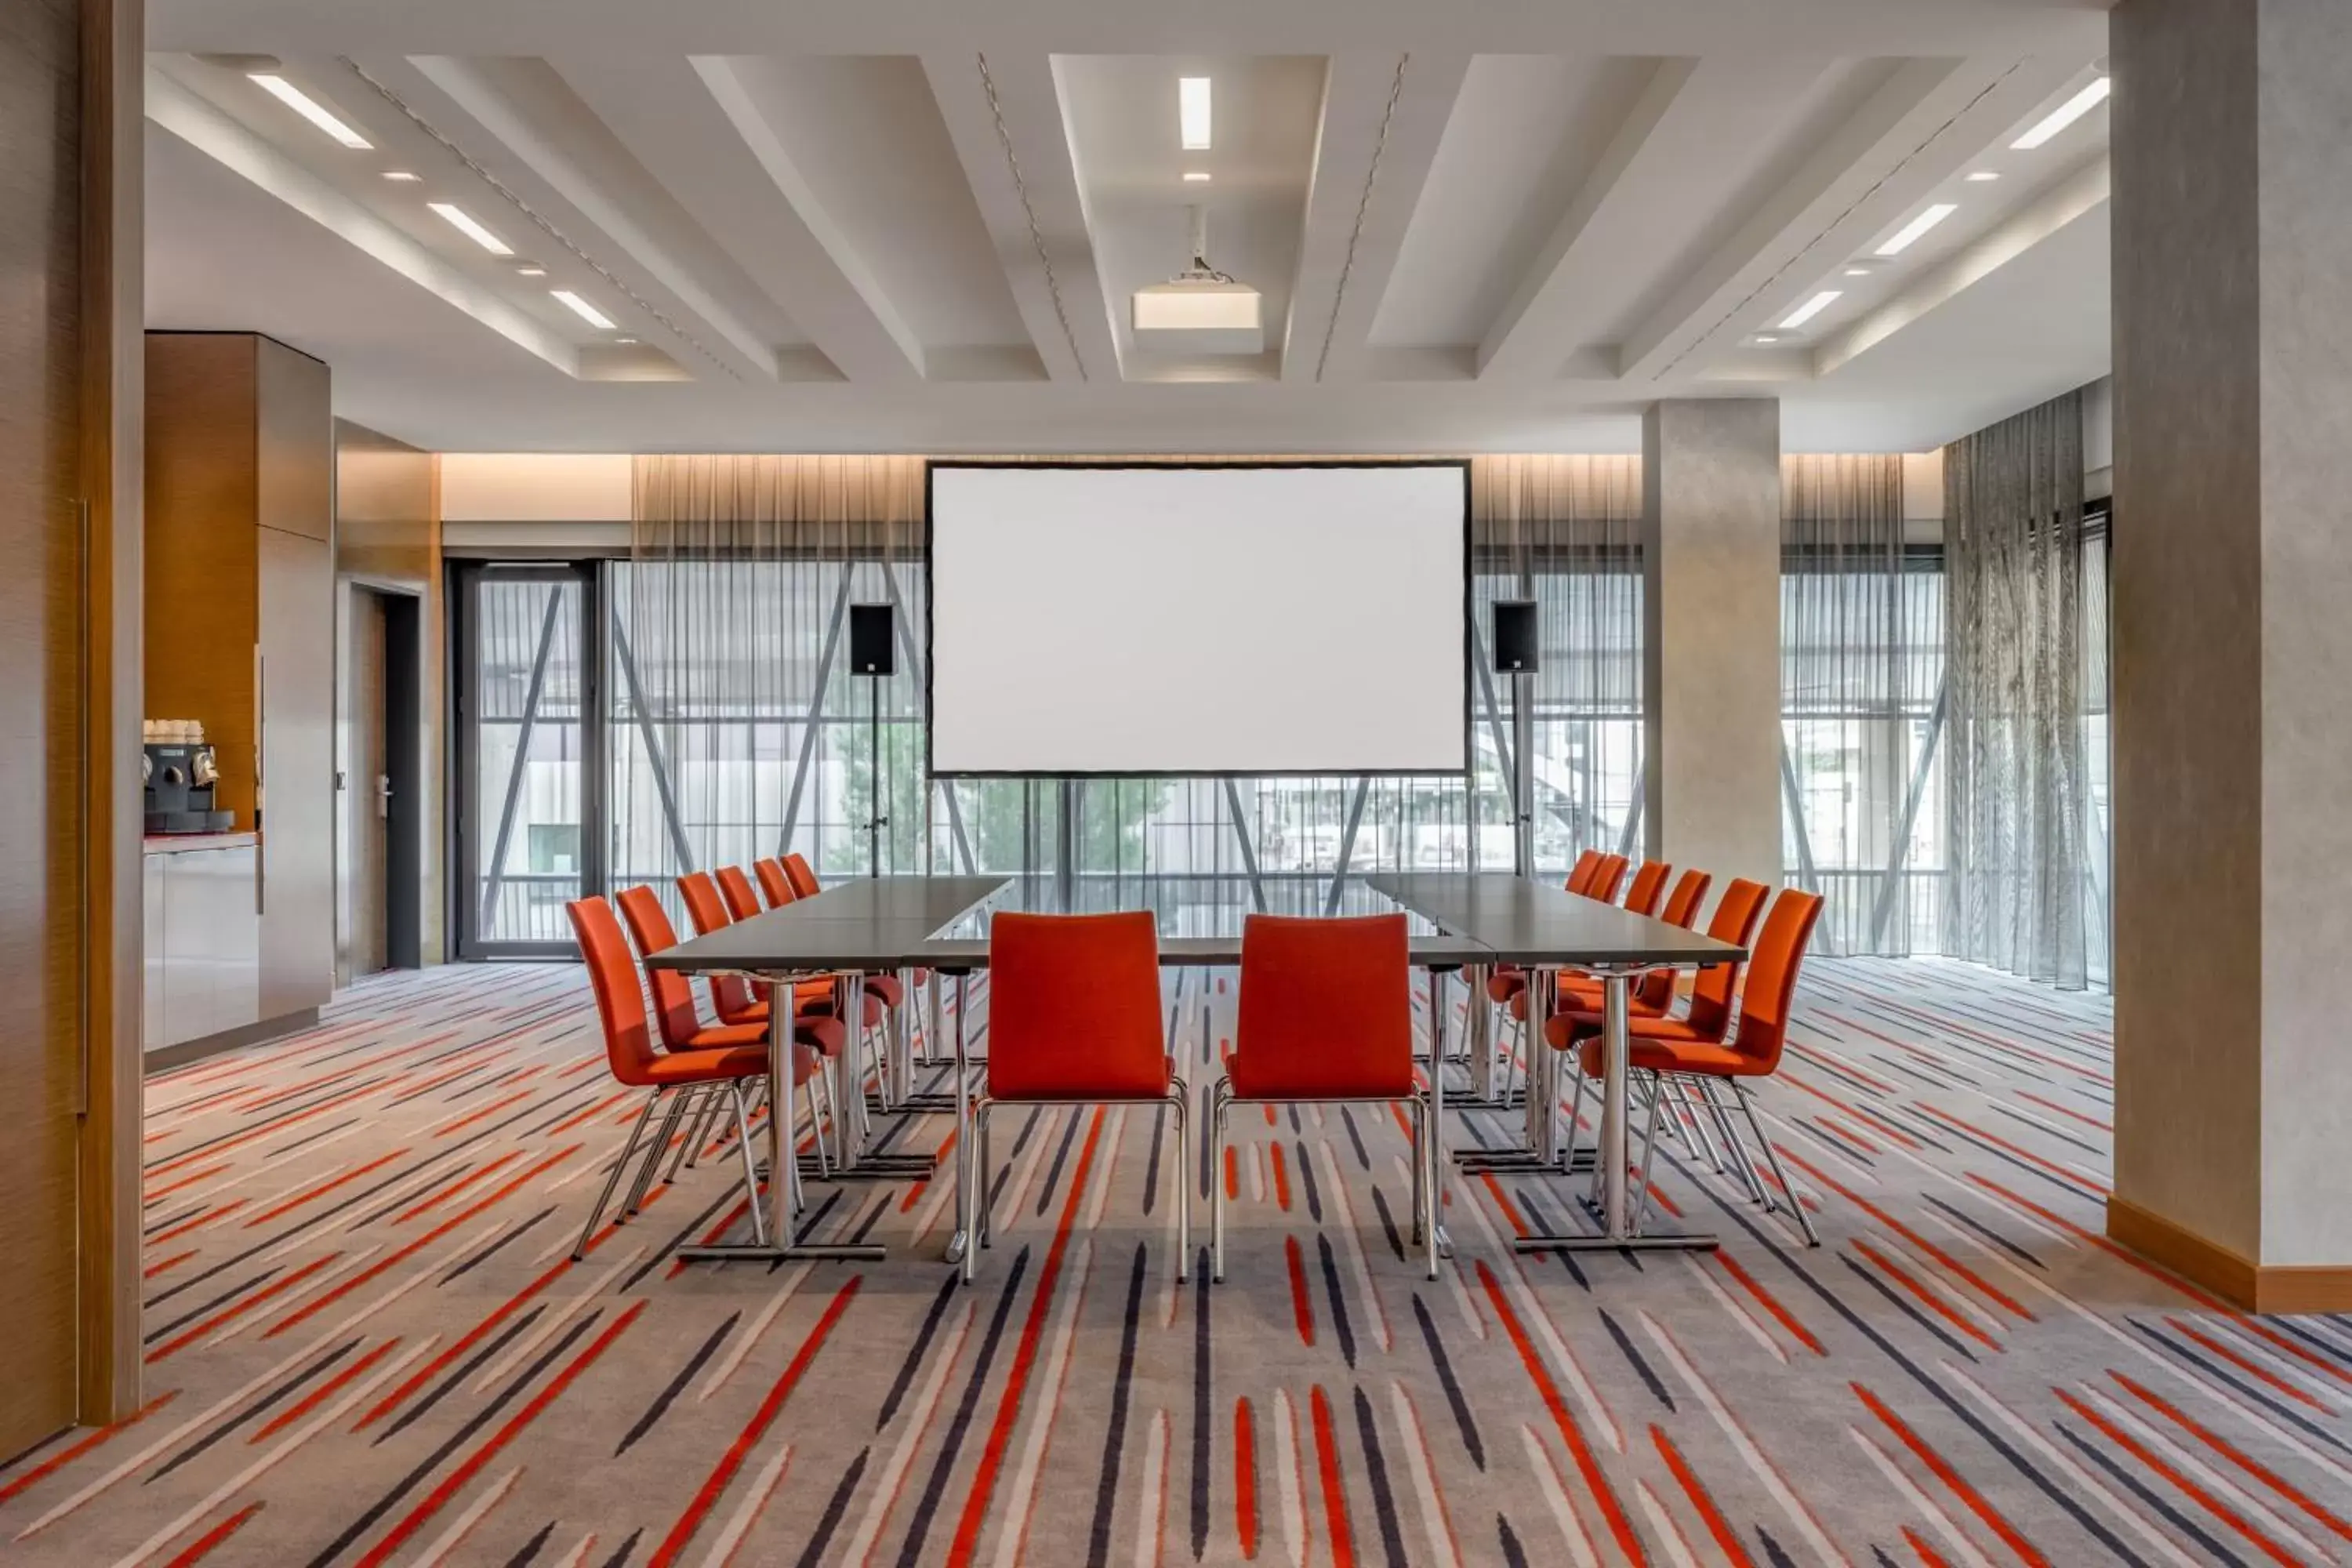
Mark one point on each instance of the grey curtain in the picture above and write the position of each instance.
(2015, 786)
(1862, 667)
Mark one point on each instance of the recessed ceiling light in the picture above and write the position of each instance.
(402, 176)
(1766, 338)
(1979, 176)
(582, 308)
(308, 108)
(533, 271)
(2065, 114)
(1857, 271)
(625, 339)
(1192, 112)
(1196, 176)
(1809, 309)
(1910, 232)
(459, 218)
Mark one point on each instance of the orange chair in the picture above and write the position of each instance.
(804, 879)
(736, 889)
(1653, 993)
(673, 996)
(1702, 1065)
(730, 995)
(716, 1061)
(1605, 879)
(1648, 886)
(1326, 1016)
(774, 881)
(1073, 1018)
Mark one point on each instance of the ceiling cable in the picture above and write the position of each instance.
(1037, 236)
(1363, 205)
(538, 220)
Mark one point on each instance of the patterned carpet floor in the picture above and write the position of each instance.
(366, 1344)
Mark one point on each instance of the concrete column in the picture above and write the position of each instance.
(2232, 614)
(1711, 635)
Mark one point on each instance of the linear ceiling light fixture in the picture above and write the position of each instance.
(308, 108)
(1910, 232)
(2065, 114)
(1809, 309)
(1192, 112)
(582, 308)
(1981, 176)
(461, 220)
(401, 177)
(1196, 176)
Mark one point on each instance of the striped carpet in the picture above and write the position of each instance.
(366, 1345)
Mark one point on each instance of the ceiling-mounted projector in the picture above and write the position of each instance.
(1201, 310)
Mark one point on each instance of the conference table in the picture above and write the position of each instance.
(1462, 922)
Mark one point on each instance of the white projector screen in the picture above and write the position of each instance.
(1228, 619)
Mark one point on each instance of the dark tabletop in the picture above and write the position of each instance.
(872, 925)
(880, 924)
(1520, 922)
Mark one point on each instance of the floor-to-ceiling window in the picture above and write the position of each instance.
(726, 723)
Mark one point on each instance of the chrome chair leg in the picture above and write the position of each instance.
(1418, 1117)
(697, 1135)
(1649, 1151)
(613, 1179)
(750, 1170)
(1218, 1105)
(980, 1215)
(1181, 1098)
(1735, 1146)
(1796, 1206)
(816, 1128)
(645, 1181)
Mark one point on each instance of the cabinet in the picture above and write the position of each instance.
(204, 938)
(240, 622)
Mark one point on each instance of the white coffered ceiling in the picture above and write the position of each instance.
(915, 225)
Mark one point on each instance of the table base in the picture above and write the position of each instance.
(1648, 1241)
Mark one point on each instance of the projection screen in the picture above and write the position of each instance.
(1127, 619)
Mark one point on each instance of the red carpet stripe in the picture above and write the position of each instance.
(202, 1546)
(1953, 1479)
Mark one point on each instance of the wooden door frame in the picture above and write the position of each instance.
(112, 416)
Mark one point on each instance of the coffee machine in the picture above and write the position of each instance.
(180, 774)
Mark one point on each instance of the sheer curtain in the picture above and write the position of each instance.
(2015, 786)
(737, 728)
(1564, 530)
(1862, 669)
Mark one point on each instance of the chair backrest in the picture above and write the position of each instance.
(1607, 877)
(1579, 876)
(628, 1048)
(1649, 883)
(1734, 922)
(1772, 977)
(730, 994)
(673, 996)
(736, 887)
(1656, 989)
(773, 881)
(1074, 1007)
(1325, 1009)
(1682, 904)
(804, 880)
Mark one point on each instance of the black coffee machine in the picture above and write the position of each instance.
(180, 775)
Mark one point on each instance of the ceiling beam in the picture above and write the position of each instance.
(1923, 123)
(513, 111)
(181, 111)
(1383, 116)
(1685, 113)
(2074, 196)
(1015, 154)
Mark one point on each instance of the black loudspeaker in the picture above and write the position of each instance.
(1515, 635)
(872, 650)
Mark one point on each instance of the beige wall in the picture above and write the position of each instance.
(388, 536)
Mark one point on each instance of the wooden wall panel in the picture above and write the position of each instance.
(40, 774)
(203, 495)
